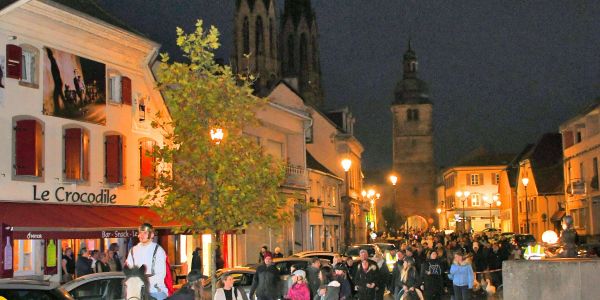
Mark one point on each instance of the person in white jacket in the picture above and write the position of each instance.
(152, 255)
(228, 291)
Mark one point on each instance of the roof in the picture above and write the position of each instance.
(313, 163)
(88, 7)
(54, 221)
(481, 157)
(546, 159)
(513, 167)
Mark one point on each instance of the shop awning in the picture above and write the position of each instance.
(60, 221)
(558, 215)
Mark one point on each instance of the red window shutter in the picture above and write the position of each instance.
(25, 148)
(126, 90)
(14, 55)
(480, 178)
(568, 139)
(147, 175)
(113, 163)
(73, 153)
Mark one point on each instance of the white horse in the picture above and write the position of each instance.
(136, 284)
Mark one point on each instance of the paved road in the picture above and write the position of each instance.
(497, 296)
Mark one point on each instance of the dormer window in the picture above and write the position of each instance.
(119, 89)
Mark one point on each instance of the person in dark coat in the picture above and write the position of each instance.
(410, 281)
(341, 276)
(266, 281)
(494, 264)
(480, 263)
(395, 284)
(383, 276)
(83, 266)
(312, 276)
(196, 260)
(432, 275)
(365, 278)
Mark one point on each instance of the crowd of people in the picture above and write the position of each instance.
(88, 262)
(426, 265)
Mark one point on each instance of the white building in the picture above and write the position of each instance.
(76, 100)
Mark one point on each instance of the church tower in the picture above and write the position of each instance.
(413, 145)
(300, 50)
(255, 42)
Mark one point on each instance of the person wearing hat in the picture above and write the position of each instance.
(299, 289)
(228, 291)
(266, 281)
(153, 256)
(341, 276)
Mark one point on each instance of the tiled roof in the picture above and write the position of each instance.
(547, 164)
(313, 163)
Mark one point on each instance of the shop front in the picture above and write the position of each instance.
(34, 235)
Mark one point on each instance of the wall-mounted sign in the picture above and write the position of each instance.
(119, 234)
(64, 196)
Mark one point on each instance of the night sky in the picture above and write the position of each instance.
(500, 73)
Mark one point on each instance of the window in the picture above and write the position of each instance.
(412, 114)
(246, 36)
(578, 136)
(28, 148)
(520, 206)
(76, 154)
(473, 179)
(147, 164)
(14, 55)
(594, 182)
(260, 41)
(119, 89)
(113, 159)
(333, 196)
(274, 149)
(290, 49)
(315, 61)
(29, 61)
(303, 52)
(271, 38)
(495, 178)
(475, 200)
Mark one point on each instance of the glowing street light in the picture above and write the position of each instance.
(525, 182)
(463, 195)
(216, 135)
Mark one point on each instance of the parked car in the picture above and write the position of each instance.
(323, 255)
(26, 289)
(523, 240)
(354, 250)
(100, 286)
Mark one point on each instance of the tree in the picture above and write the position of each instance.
(207, 186)
(392, 219)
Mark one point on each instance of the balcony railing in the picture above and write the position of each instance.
(295, 175)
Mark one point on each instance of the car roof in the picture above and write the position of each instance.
(92, 277)
(31, 284)
(235, 270)
(306, 253)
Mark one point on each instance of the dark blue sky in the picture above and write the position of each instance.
(500, 73)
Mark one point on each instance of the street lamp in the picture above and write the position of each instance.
(463, 197)
(394, 180)
(525, 182)
(216, 135)
(372, 196)
(346, 164)
(491, 202)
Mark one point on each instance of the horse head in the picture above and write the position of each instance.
(136, 285)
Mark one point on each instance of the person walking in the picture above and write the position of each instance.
(266, 281)
(432, 277)
(299, 289)
(461, 274)
(261, 255)
(410, 281)
(277, 253)
(196, 260)
(228, 291)
(154, 257)
(68, 265)
(383, 276)
(312, 275)
(365, 277)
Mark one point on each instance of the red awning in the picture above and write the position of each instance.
(60, 221)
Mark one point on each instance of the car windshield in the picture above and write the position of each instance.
(355, 250)
(525, 239)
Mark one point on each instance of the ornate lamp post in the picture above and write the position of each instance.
(463, 195)
(491, 202)
(525, 182)
(346, 164)
(394, 180)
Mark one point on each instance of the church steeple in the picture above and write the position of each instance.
(410, 62)
(411, 89)
(255, 32)
(300, 50)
